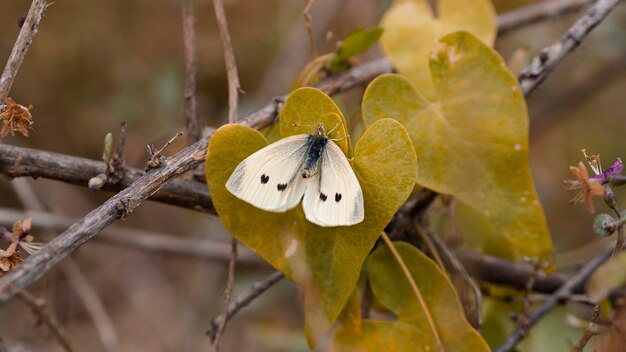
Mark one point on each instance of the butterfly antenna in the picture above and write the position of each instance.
(334, 128)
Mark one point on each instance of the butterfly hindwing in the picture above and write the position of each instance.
(270, 179)
(334, 198)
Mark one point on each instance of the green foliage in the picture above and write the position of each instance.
(608, 277)
(471, 138)
(410, 331)
(411, 31)
(325, 261)
(106, 149)
(356, 42)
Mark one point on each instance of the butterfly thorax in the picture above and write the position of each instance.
(316, 144)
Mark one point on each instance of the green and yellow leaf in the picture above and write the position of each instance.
(471, 139)
(325, 261)
(411, 31)
(411, 330)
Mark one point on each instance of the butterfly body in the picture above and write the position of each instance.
(316, 144)
(276, 177)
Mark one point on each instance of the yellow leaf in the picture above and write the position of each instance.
(411, 330)
(472, 138)
(411, 31)
(325, 261)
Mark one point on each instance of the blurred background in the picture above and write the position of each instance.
(94, 64)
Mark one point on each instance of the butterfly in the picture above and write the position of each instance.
(276, 177)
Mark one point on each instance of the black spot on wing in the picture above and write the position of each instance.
(323, 197)
(264, 179)
(281, 186)
(337, 197)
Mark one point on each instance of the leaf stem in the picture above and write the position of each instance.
(416, 290)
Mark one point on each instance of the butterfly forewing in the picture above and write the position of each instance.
(334, 198)
(270, 179)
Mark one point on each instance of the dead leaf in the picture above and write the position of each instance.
(15, 118)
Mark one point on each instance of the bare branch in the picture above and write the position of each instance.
(151, 242)
(244, 299)
(23, 42)
(20, 162)
(93, 304)
(227, 294)
(550, 57)
(229, 57)
(565, 290)
(590, 331)
(537, 12)
(492, 269)
(193, 122)
(47, 318)
(308, 20)
(118, 206)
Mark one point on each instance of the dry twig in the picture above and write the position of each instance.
(39, 307)
(538, 12)
(308, 20)
(193, 123)
(228, 292)
(551, 56)
(244, 299)
(229, 57)
(23, 42)
(93, 304)
(566, 289)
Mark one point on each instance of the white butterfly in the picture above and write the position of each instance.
(275, 178)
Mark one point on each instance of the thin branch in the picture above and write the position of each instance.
(193, 123)
(308, 20)
(545, 10)
(93, 304)
(244, 299)
(495, 270)
(562, 293)
(47, 318)
(227, 294)
(116, 207)
(22, 162)
(590, 331)
(151, 242)
(23, 42)
(550, 57)
(229, 57)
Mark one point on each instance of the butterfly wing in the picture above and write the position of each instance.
(334, 198)
(270, 179)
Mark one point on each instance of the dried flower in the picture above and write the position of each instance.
(19, 237)
(588, 187)
(15, 118)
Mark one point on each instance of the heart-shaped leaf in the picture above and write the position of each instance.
(411, 31)
(411, 330)
(472, 138)
(325, 261)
